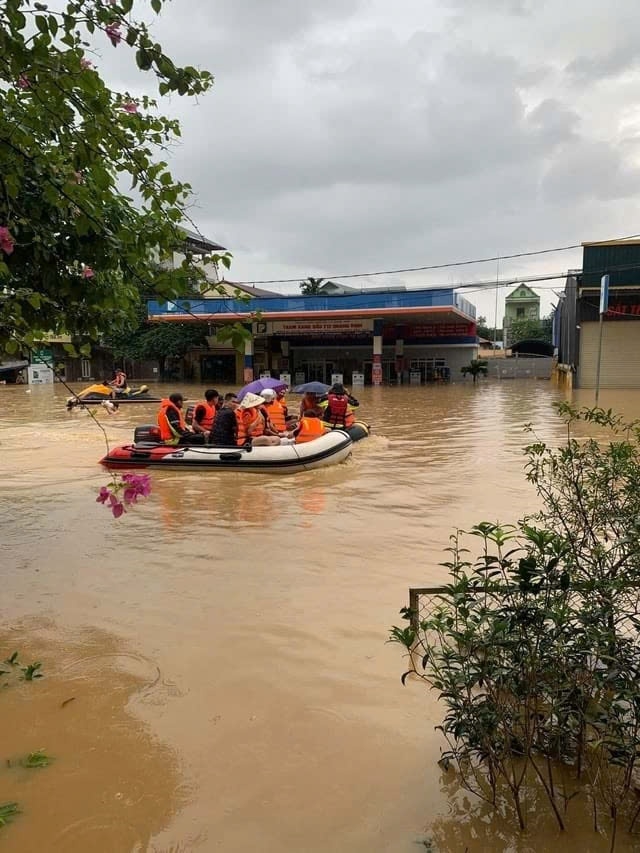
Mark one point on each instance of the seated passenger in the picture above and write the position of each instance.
(252, 423)
(225, 425)
(118, 383)
(275, 413)
(338, 408)
(309, 428)
(204, 412)
(173, 429)
(310, 405)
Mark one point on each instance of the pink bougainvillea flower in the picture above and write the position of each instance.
(6, 240)
(87, 272)
(137, 485)
(130, 107)
(85, 64)
(103, 495)
(117, 509)
(113, 33)
(24, 82)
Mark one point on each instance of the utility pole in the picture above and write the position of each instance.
(604, 304)
(495, 319)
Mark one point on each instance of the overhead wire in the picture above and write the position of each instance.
(441, 266)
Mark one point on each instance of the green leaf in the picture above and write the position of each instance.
(41, 24)
(156, 5)
(132, 35)
(143, 59)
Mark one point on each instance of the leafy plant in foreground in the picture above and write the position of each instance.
(35, 760)
(32, 671)
(7, 811)
(533, 645)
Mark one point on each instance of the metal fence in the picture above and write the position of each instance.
(423, 602)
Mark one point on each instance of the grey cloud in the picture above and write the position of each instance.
(590, 171)
(356, 134)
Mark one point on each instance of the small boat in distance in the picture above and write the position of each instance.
(98, 392)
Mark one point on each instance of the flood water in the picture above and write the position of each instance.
(223, 644)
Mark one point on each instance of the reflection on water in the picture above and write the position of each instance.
(265, 603)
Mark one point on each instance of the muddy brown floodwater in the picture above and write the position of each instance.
(224, 642)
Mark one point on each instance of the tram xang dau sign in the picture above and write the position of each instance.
(339, 326)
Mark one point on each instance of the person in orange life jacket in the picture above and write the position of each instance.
(251, 423)
(204, 413)
(308, 428)
(225, 425)
(310, 405)
(274, 413)
(173, 429)
(338, 407)
(281, 397)
(118, 383)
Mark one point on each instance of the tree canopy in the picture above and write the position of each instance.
(539, 330)
(311, 286)
(76, 250)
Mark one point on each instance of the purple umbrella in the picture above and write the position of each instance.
(259, 385)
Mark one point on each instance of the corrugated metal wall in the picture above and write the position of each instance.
(598, 260)
(620, 365)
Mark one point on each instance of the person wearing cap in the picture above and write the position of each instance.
(338, 407)
(252, 423)
(274, 412)
(224, 432)
(173, 428)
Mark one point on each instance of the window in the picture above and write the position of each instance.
(519, 312)
(85, 368)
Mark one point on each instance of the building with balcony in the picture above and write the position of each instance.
(371, 337)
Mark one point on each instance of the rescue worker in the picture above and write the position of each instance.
(252, 423)
(173, 429)
(281, 397)
(309, 428)
(204, 412)
(274, 411)
(225, 425)
(338, 408)
(310, 405)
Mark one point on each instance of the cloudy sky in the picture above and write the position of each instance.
(361, 135)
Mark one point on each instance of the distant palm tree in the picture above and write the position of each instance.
(311, 286)
(477, 367)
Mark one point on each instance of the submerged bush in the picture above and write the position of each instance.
(533, 646)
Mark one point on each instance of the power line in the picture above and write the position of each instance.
(447, 265)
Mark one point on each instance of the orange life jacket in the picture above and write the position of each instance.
(167, 433)
(309, 428)
(276, 413)
(209, 415)
(337, 411)
(246, 417)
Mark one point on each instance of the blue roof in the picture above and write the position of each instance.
(351, 302)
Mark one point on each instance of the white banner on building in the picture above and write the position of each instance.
(335, 326)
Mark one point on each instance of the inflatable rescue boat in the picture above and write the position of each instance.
(99, 392)
(327, 449)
